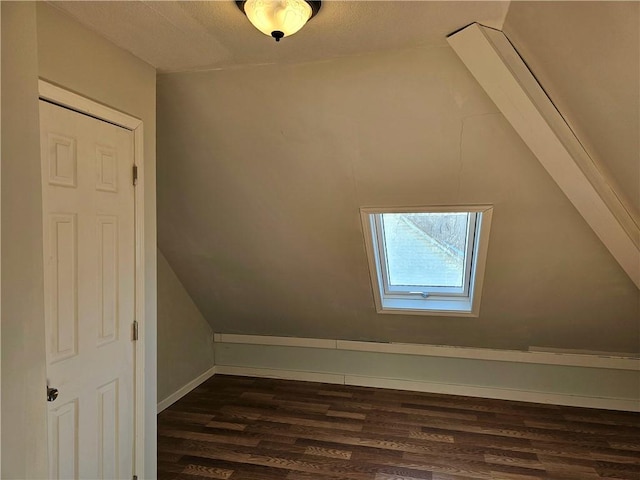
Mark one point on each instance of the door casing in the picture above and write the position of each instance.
(65, 98)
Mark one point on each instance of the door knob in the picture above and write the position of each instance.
(52, 394)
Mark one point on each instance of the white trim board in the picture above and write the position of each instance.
(270, 340)
(65, 98)
(498, 68)
(182, 391)
(431, 387)
(60, 96)
(610, 361)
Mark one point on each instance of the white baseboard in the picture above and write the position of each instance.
(408, 385)
(602, 380)
(431, 387)
(177, 395)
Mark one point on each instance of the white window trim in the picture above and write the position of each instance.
(446, 305)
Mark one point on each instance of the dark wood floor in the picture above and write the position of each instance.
(246, 428)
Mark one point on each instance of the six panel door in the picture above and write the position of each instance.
(88, 222)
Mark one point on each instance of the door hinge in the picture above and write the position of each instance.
(135, 175)
(135, 330)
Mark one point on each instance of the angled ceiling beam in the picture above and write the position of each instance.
(496, 65)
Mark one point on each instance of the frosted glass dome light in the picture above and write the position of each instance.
(279, 18)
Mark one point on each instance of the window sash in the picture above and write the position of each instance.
(424, 291)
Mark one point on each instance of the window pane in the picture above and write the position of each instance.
(425, 249)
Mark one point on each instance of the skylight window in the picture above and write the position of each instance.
(427, 260)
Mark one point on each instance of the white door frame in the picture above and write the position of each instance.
(55, 94)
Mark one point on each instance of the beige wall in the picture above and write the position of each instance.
(185, 339)
(24, 434)
(37, 40)
(586, 55)
(78, 59)
(262, 171)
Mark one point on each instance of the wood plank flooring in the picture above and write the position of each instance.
(263, 429)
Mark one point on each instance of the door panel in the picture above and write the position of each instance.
(108, 441)
(107, 233)
(88, 221)
(63, 441)
(62, 305)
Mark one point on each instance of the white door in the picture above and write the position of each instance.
(88, 219)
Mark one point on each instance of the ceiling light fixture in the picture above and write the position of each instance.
(279, 18)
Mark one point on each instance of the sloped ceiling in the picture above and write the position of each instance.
(587, 57)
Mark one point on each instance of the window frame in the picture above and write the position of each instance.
(441, 301)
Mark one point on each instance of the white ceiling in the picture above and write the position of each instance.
(193, 35)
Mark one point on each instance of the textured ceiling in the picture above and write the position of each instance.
(193, 35)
